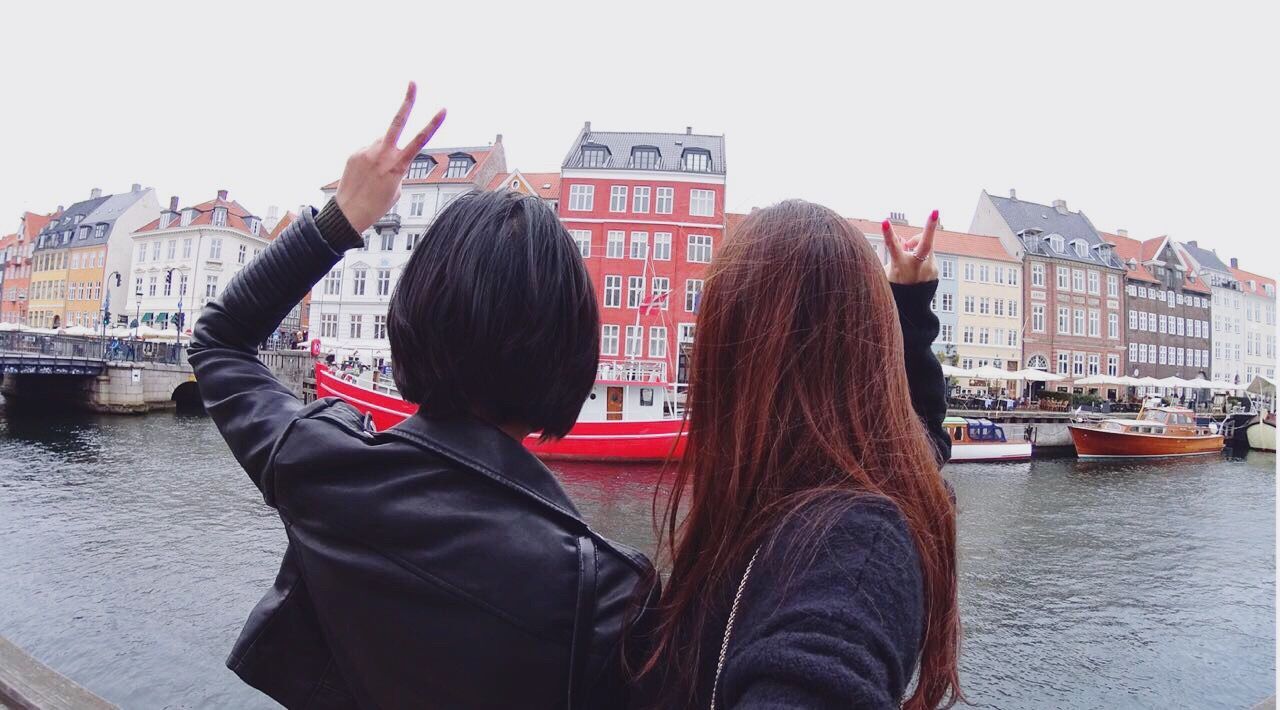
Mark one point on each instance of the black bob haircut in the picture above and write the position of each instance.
(495, 316)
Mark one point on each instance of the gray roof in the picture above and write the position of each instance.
(1022, 215)
(102, 210)
(671, 147)
(1205, 258)
(67, 222)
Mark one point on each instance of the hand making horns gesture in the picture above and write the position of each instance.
(911, 260)
(370, 183)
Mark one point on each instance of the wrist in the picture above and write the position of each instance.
(337, 229)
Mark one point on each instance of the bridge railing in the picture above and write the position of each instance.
(89, 347)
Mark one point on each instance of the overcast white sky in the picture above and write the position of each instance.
(1147, 117)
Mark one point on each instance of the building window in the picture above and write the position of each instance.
(696, 160)
(215, 249)
(614, 245)
(186, 248)
(1093, 282)
(1056, 242)
(581, 197)
(702, 203)
(1064, 277)
(1079, 321)
(635, 341)
(182, 284)
(948, 303)
(1095, 325)
(665, 203)
(984, 336)
(388, 240)
(609, 340)
(1037, 318)
(1064, 320)
(657, 341)
(618, 198)
(1077, 280)
(151, 286)
(595, 157)
(999, 307)
(417, 202)
(254, 226)
(984, 273)
(966, 334)
(640, 200)
(187, 216)
(984, 306)
(380, 327)
(645, 158)
(1094, 363)
(1113, 285)
(1037, 274)
(946, 268)
(635, 291)
(692, 295)
(357, 282)
(411, 240)
(1078, 364)
(660, 287)
(699, 251)
(420, 168)
(459, 165)
(612, 291)
(355, 323)
(99, 230)
(640, 245)
(241, 254)
(946, 333)
(333, 283)
(384, 282)
(211, 286)
(582, 238)
(172, 251)
(155, 251)
(329, 325)
(968, 271)
(662, 246)
(220, 216)
(969, 302)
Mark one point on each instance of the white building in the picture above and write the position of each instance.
(349, 307)
(1227, 362)
(1259, 306)
(184, 259)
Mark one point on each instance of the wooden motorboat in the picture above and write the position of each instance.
(1157, 432)
(982, 440)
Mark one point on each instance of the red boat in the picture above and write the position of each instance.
(1157, 433)
(630, 415)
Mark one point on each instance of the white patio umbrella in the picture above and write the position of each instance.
(1199, 383)
(1034, 375)
(953, 371)
(78, 330)
(1262, 385)
(145, 331)
(988, 372)
(1172, 381)
(1095, 380)
(6, 325)
(1148, 381)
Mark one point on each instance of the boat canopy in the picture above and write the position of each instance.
(984, 430)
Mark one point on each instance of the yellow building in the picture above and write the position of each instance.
(47, 305)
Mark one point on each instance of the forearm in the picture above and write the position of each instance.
(924, 372)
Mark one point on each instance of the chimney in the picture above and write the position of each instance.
(1235, 263)
(1122, 232)
(1192, 243)
(1060, 206)
(222, 195)
(586, 126)
(1013, 194)
(173, 203)
(898, 218)
(272, 213)
(95, 193)
(498, 139)
(688, 130)
(137, 187)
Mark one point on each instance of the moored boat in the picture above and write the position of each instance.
(982, 440)
(1262, 433)
(1157, 432)
(631, 414)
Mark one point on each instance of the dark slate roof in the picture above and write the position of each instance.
(670, 146)
(102, 210)
(1021, 215)
(1206, 258)
(67, 222)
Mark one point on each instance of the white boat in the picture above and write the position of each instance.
(982, 440)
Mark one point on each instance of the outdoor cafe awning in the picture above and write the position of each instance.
(162, 317)
(146, 317)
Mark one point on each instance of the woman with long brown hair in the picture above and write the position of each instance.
(815, 564)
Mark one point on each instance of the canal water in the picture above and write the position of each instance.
(131, 550)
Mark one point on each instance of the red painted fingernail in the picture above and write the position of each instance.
(933, 217)
(884, 226)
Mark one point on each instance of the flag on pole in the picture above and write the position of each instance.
(654, 302)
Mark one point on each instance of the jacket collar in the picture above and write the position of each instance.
(487, 450)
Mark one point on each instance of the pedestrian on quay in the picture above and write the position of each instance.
(438, 563)
(814, 565)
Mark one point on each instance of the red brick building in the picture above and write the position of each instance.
(647, 211)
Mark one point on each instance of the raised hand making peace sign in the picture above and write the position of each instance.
(370, 183)
(911, 260)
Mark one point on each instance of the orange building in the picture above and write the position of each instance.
(16, 291)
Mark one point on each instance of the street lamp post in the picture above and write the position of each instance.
(137, 319)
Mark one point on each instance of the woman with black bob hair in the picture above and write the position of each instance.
(438, 563)
(495, 316)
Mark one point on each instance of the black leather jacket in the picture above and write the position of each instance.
(437, 564)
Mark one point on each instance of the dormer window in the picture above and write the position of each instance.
(459, 165)
(254, 226)
(595, 156)
(696, 160)
(1057, 243)
(1081, 249)
(188, 216)
(82, 232)
(78, 218)
(164, 219)
(645, 157)
(421, 167)
(219, 216)
(99, 230)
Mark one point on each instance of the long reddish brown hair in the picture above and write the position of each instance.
(797, 401)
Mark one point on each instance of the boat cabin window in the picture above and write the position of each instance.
(957, 433)
(646, 396)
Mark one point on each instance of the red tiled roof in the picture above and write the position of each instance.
(236, 215)
(1127, 249)
(36, 222)
(441, 157)
(945, 242)
(288, 219)
(1151, 248)
(1244, 277)
(8, 240)
(1193, 281)
(498, 181)
(546, 185)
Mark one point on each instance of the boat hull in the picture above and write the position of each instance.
(1094, 443)
(1262, 436)
(653, 440)
(1005, 451)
